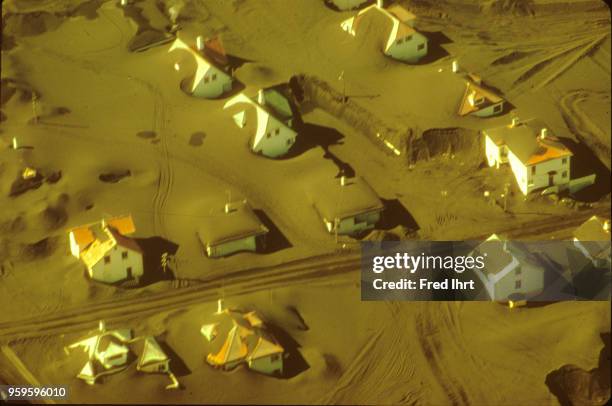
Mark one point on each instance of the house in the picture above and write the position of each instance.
(230, 229)
(510, 273)
(107, 353)
(237, 338)
(107, 253)
(344, 5)
(592, 238)
(273, 135)
(480, 102)
(212, 77)
(396, 25)
(152, 358)
(347, 206)
(538, 159)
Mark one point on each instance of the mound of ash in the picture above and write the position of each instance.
(40, 249)
(573, 385)
(32, 179)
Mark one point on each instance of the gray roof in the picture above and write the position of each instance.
(593, 237)
(240, 222)
(332, 200)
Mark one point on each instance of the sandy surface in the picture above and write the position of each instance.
(100, 109)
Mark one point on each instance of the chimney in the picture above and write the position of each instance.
(15, 146)
(606, 226)
(260, 97)
(200, 43)
(102, 326)
(515, 122)
(543, 133)
(380, 3)
(342, 180)
(227, 207)
(219, 305)
(124, 2)
(455, 66)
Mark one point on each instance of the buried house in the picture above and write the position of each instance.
(273, 133)
(107, 353)
(347, 206)
(237, 338)
(231, 229)
(537, 158)
(510, 272)
(479, 101)
(107, 253)
(396, 25)
(212, 77)
(592, 238)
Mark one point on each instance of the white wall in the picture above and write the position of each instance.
(230, 247)
(275, 145)
(540, 179)
(408, 51)
(214, 87)
(490, 111)
(116, 270)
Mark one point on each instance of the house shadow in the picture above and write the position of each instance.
(235, 62)
(395, 214)
(177, 365)
(275, 239)
(293, 364)
(153, 248)
(583, 163)
(435, 51)
(311, 136)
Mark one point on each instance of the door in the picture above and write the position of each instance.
(551, 178)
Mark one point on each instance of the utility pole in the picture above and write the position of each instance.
(341, 77)
(35, 106)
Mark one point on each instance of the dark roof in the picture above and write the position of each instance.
(278, 103)
(240, 222)
(332, 200)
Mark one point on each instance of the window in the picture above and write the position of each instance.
(206, 79)
(497, 108)
(408, 38)
(274, 357)
(564, 174)
(478, 101)
(277, 131)
(518, 270)
(517, 284)
(268, 135)
(107, 259)
(289, 141)
(214, 76)
(399, 41)
(124, 255)
(533, 170)
(564, 161)
(420, 47)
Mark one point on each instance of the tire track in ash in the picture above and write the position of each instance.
(165, 179)
(430, 339)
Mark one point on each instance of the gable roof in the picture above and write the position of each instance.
(524, 142)
(203, 63)
(333, 200)
(151, 353)
(242, 341)
(221, 226)
(593, 236)
(475, 92)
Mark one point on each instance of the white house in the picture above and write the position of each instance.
(107, 353)
(507, 274)
(480, 102)
(344, 5)
(230, 229)
(538, 159)
(236, 338)
(346, 206)
(396, 25)
(211, 78)
(273, 135)
(107, 253)
(592, 238)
